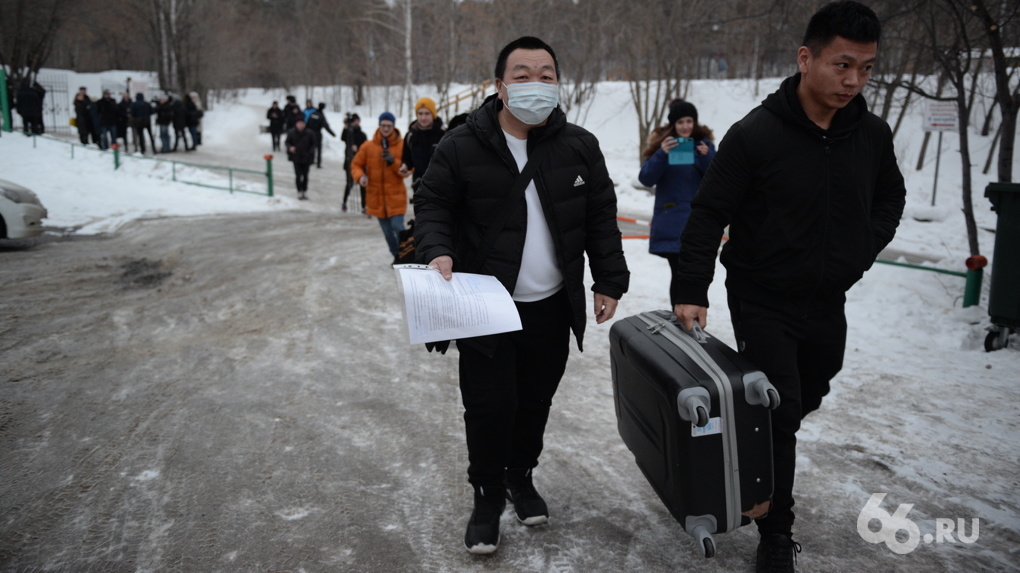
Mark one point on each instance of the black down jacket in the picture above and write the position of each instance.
(809, 209)
(471, 172)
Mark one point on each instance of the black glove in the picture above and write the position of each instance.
(388, 157)
(442, 346)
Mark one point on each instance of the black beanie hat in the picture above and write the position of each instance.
(681, 108)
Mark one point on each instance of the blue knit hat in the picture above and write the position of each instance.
(387, 116)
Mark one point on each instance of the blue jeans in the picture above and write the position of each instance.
(164, 138)
(390, 229)
(103, 131)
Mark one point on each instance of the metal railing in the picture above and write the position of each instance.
(233, 185)
(973, 275)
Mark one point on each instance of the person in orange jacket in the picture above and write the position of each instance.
(376, 167)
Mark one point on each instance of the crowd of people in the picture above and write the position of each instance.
(378, 165)
(107, 121)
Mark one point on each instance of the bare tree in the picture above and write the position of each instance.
(952, 37)
(27, 32)
(1006, 96)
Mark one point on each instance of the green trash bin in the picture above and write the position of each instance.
(1004, 299)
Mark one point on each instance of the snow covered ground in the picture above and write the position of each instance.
(918, 398)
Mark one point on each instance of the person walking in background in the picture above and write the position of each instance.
(422, 137)
(675, 179)
(301, 151)
(809, 186)
(164, 119)
(29, 104)
(124, 118)
(194, 118)
(291, 117)
(83, 116)
(180, 115)
(107, 109)
(553, 220)
(316, 123)
(141, 122)
(353, 138)
(275, 117)
(288, 112)
(376, 167)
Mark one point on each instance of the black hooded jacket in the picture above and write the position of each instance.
(420, 144)
(809, 209)
(471, 172)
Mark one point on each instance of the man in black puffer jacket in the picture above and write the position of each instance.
(568, 210)
(809, 185)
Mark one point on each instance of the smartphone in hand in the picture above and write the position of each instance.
(683, 153)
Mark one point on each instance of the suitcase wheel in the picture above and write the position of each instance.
(705, 540)
(702, 420)
(708, 547)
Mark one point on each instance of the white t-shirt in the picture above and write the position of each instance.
(540, 277)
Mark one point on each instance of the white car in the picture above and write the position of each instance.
(21, 212)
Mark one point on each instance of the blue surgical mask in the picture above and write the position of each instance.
(532, 102)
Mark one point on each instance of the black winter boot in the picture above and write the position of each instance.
(528, 505)
(776, 554)
(482, 537)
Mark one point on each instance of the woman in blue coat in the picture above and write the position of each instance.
(675, 178)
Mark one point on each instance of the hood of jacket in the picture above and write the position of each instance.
(785, 103)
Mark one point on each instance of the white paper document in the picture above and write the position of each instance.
(465, 306)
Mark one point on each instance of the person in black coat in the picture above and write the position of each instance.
(353, 137)
(300, 144)
(194, 117)
(422, 137)
(567, 212)
(30, 107)
(124, 118)
(141, 122)
(809, 186)
(164, 119)
(106, 107)
(83, 116)
(275, 117)
(180, 121)
(316, 122)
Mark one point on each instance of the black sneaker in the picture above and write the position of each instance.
(528, 505)
(482, 537)
(776, 554)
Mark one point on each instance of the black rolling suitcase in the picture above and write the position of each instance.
(695, 414)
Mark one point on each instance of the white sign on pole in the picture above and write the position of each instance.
(941, 116)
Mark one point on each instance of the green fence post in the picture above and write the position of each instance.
(116, 156)
(269, 174)
(975, 271)
(230, 177)
(173, 170)
(5, 105)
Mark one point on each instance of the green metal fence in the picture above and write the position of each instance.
(237, 180)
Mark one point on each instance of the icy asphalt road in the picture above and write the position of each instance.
(233, 394)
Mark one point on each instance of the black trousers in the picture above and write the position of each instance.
(800, 349)
(301, 172)
(276, 140)
(507, 396)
